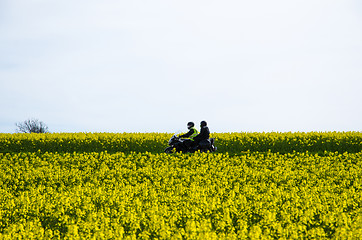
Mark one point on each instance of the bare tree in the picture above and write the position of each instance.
(31, 126)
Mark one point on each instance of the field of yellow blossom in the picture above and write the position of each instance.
(122, 186)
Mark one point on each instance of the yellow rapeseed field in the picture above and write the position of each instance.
(122, 186)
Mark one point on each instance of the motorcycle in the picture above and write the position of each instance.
(177, 145)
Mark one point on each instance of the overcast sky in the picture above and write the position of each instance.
(152, 66)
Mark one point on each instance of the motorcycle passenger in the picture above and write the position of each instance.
(191, 134)
(204, 133)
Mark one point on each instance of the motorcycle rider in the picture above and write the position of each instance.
(203, 135)
(191, 134)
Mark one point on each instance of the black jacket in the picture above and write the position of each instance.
(203, 135)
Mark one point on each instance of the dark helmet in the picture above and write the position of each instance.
(190, 125)
(203, 124)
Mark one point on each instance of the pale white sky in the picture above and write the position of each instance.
(152, 66)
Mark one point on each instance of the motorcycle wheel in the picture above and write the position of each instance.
(169, 150)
